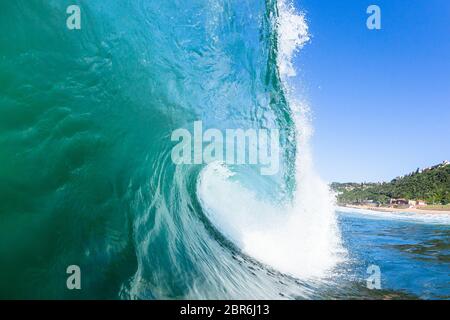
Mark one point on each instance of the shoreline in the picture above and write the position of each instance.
(394, 210)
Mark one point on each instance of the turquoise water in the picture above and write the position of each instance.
(87, 179)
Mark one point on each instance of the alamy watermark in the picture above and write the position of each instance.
(374, 20)
(234, 146)
(73, 21)
(374, 279)
(74, 280)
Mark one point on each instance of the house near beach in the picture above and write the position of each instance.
(421, 203)
(399, 202)
(407, 203)
(412, 203)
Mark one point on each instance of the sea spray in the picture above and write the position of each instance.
(313, 210)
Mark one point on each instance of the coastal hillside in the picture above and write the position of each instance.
(430, 184)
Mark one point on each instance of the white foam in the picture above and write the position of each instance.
(290, 239)
(413, 217)
(292, 35)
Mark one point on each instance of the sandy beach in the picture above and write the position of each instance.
(411, 210)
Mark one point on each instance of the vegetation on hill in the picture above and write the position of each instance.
(430, 184)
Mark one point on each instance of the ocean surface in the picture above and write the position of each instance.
(86, 176)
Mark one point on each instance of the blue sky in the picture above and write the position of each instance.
(380, 98)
